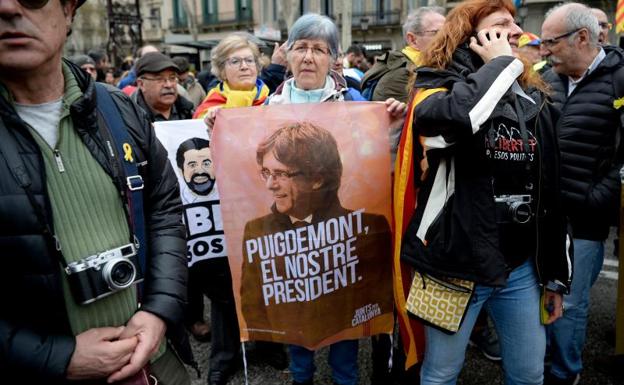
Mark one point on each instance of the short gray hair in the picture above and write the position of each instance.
(414, 21)
(577, 17)
(315, 26)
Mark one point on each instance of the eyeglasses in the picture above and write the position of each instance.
(605, 25)
(317, 51)
(278, 175)
(552, 41)
(161, 80)
(238, 61)
(33, 4)
(433, 32)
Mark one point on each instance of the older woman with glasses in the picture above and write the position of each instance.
(312, 48)
(235, 62)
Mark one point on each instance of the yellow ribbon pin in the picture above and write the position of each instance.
(617, 103)
(127, 152)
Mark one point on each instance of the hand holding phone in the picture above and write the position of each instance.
(490, 43)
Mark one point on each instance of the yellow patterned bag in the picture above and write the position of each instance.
(441, 303)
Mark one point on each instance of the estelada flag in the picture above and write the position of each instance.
(404, 205)
(619, 17)
(305, 199)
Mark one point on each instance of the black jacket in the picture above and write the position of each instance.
(591, 156)
(36, 342)
(454, 231)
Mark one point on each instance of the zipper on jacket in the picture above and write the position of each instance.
(59, 160)
(539, 195)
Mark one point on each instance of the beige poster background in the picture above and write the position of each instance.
(361, 133)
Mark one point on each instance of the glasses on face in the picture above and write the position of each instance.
(554, 40)
(33, 4)
(278, 175)
(605, 25)
(162, 80)
(430, 32)
(238, 61)
(317, 51)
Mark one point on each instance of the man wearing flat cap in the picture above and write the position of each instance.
(157, 92)
(89, 209)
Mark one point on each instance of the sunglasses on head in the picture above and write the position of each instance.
(33, 4)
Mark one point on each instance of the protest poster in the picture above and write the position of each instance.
(190, 154)
(305, 198)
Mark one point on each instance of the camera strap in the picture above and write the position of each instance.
(524, 133)
(132, 190)
(522, 123)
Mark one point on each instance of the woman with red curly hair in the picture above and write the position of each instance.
(488, 202)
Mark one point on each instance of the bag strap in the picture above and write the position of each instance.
(133, 181)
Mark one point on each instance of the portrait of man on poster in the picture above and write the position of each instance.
(194, 159)
(310, 258)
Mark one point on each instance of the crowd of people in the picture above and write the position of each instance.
(516, 153)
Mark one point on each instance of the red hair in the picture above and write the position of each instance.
(460, 24)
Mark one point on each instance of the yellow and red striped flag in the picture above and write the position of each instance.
(404, 204)
(619, 17)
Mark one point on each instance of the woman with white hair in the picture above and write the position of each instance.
(312, 48)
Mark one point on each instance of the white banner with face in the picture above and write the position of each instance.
(191, 157)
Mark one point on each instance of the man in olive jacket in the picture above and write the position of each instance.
(73, 207)
(390, 75)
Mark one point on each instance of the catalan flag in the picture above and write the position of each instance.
(619, 17)
(404, 204)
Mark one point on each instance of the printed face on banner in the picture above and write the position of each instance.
(197, 170)
(191, 157)
(306, 209)
(290, 189)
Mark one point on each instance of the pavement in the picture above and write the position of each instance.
(477, 369)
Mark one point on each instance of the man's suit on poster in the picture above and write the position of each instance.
(326, 315)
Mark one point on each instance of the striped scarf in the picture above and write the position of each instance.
(222, 95)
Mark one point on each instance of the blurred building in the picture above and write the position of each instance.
(192, 27)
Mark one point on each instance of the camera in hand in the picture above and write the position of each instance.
(513, 209)
(103, 274)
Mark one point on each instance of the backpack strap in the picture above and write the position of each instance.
(133, 181)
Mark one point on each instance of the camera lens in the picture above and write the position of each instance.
(520, 212)
(119, 273)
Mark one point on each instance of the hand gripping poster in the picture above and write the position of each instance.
(190, 153)
(305, 199)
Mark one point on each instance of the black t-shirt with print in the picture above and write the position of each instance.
(515, 174)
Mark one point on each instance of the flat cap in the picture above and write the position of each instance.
(154, 62)
(182, 63)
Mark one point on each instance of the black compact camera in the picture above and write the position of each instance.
(103, 274)
(513, 209)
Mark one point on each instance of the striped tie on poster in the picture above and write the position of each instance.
(619, 17)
